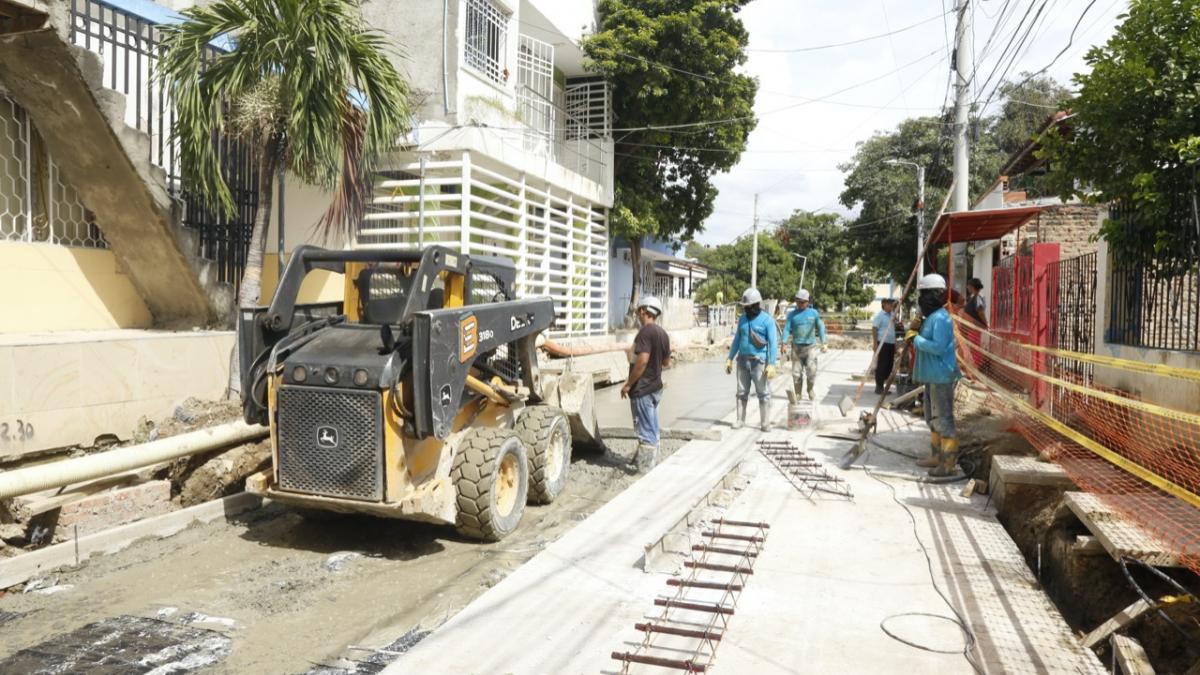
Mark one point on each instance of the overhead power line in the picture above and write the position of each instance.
(833, 45)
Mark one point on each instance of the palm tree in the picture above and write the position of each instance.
(307, 84)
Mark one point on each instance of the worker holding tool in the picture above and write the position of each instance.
(644, 386)
(932, 335)
(802, 329)
(883, 331)
(755, 348)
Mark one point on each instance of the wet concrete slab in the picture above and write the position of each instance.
(123, 645)
(695, 396)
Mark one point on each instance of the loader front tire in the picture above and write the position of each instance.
(491, 475)
(547, 435)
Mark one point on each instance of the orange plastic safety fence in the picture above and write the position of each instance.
(1140, 458)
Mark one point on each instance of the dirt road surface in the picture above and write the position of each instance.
(275, 592)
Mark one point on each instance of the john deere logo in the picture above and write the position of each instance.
(327, 437)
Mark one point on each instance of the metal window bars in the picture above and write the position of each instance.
(36, 203)
(694, 617)
(546, 125)
(129, 46)
(486, 40)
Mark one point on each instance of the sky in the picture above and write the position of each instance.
(793, 153)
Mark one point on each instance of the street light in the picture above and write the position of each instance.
(920, 210)
(803, 267)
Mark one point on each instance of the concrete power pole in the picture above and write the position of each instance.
(754, 247)
(920, 220)
(963, 65)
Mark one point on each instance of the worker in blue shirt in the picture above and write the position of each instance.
(802, 329)
(755, 348)
(937, 369)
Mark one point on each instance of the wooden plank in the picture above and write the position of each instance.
(1119, 621)
(23, 567)
(1119, 536)
(1131, 658)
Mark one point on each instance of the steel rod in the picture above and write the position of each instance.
(694, 606)
(707, 585)
(715, 567)
(678, 664)
(749, 553)
(681, 632)
(736, 537)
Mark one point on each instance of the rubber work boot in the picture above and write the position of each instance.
(811, 395)
(764, 416)
(935, 452)
(647, 457)
(741, 414)
(948, 467)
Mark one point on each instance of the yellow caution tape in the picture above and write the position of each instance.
(1161, 411)
(1164, 484)
(1108, 361)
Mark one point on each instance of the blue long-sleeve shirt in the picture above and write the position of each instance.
(764, 327)
(937, 362)
(804, 327)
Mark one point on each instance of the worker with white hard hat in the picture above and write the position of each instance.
(937, 368)
(755, 350)
(644, 386)
(802, 330)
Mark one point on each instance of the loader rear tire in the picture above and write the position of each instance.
(491, 476)
(547, 435)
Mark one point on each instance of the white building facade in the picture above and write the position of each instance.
(511, 154)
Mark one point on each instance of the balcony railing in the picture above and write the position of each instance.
(550, 131)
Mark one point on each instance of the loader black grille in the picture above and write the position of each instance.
(331, 442)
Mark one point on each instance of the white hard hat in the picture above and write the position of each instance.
(931, 281)
(751, 297)
(651, 303)
(802, 294)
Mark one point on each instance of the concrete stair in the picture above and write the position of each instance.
(82, 123)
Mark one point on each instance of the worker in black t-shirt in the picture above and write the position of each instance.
(643, 388)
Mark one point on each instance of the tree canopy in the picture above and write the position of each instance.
(778, 276)
(886, 228)
(683, 111)
(1135, 134)
(824, 240)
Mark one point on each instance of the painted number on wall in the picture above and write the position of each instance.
(21, 431)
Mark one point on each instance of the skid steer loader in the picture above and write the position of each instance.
(417, 396)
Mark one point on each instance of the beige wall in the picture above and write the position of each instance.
(318, 286)
(45, 287)
(75, 386)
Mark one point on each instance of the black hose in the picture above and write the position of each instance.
(1187, 639)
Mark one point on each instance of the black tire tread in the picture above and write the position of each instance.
(473, 475)
(534, 427)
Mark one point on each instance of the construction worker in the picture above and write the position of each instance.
(756, 349)
(802, 329)
(976, 308)
(644, 386)
(932, 334)
(883, 332)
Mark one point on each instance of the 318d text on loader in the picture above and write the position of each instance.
(417, 396)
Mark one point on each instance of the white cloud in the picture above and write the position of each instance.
(793, 154)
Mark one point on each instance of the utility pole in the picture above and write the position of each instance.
(920, 220)
(962, 94)
(754, 247)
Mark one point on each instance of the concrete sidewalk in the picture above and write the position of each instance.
(831, 572)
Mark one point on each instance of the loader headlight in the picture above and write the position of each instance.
(331, 375)
(299, 374)
(360, 377)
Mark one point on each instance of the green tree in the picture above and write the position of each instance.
(824, 240)
(307, 84)
(777, 274)
(1027, 105)
(672, 67)
(1135, 134)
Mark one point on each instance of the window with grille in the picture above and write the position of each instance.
(487, 27)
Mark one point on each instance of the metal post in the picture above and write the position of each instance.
(280, 241)
(803, 269)
(754, 247)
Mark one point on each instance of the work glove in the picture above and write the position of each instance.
(910, 335)
(728, 366)
(824, 347)
(770, 371)
(915, 324)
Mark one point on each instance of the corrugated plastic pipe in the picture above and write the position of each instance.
(69, 471)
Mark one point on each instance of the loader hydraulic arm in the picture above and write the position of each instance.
(446, 343)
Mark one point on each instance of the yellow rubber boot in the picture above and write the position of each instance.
(935, 452)
(948, 467)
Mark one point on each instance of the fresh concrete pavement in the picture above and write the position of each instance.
(834, 573)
